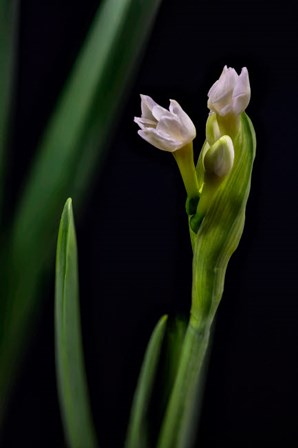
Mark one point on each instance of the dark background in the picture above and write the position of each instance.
(135, 257)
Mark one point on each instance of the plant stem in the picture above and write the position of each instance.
(177, 430)
(185, 162)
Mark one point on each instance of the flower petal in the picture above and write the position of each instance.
(187, 127)
(147, 104)
(241, 94)
(145, 122)
(224, 86)
(163, 142)
(158, 112)
(170, 126)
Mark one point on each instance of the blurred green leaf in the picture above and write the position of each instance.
(71, 379)
(137, 435)
(174, 342)
(179, 423)
(8, 29)
(67, 156)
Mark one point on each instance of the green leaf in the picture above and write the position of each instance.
(67, 156)
(175, 336)
(179, 423)
(8, 29)
(71, 378)
(137, 435)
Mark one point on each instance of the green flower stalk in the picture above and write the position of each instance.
(217, 190)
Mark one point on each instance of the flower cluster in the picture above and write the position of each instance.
(172, 130)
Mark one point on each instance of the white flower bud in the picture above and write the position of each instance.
(168, 130)
(230, 94)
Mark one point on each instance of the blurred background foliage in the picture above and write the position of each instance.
(134, 252)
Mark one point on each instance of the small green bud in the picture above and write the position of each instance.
(219, 158)
(215, 164)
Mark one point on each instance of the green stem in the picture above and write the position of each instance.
(185, 162)
(177, 430)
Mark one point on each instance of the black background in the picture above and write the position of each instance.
(135, 257)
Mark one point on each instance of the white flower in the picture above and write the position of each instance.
(230, 94)
(168, 130)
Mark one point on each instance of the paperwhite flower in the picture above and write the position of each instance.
(168, 130)
(230, 94)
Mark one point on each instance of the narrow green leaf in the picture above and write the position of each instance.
(177, 430)
(67, 156)
(137, 435)
(175, 338)
(8, 30)
(71, 378)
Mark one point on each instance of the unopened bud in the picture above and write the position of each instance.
(219, 158)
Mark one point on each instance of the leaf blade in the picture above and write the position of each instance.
(9, 12)
(137, 429)
(71, 378)
(65, 162)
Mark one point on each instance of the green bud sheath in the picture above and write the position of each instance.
(221, 227)
(218, 235)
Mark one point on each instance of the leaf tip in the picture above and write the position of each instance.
(68, 204)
